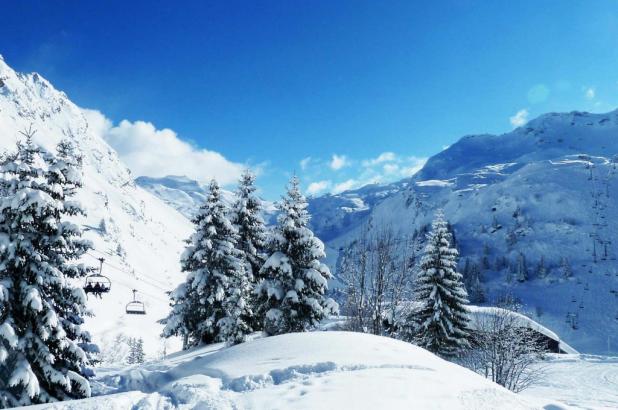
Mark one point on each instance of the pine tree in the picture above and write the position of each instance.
(43, 348)
(473, 283)
(132, 357)
(441, 323)
(136, 351)
(565, 267)
(295, 283)
(252, 235)
(65, 179)
(522, 268)
(211, 305)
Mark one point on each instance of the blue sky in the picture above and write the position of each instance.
(366, 90)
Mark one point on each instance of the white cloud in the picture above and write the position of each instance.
(383, 157)
(154, 152)
(338, 162)
(520, 118)
(345, 186)
(318, 187)
(391, 168)
(590, 93)
(385, 168)
(304, 163)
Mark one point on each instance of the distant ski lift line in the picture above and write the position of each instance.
(128, 286)
(141, 277)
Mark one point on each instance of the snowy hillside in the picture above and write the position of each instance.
(333, 215)
(546, 190)
(139, 236)
(302, 371)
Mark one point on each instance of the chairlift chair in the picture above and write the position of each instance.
(135, 307)
(98, 283)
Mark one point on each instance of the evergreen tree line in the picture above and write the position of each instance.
(244, 277)
(45, 353)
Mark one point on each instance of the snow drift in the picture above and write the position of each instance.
(302, 371)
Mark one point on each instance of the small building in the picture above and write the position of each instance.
(545, 336)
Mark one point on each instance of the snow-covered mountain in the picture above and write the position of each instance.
(544, 191)
(187, 195)
(139, 236)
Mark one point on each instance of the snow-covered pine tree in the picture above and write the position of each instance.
(131, 358)
(441, 323)
(212, 304)
(183, 318)
(295, 280)
(140, 356)
(65, 179)
(252, 235)
(41, 339)
(136, 351)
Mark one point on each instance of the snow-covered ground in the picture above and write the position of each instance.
(579, 381)
(319, 370)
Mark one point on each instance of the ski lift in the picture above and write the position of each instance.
(98, 283)
(135, 307)
(587, 287)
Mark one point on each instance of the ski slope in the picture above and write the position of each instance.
(328, 370)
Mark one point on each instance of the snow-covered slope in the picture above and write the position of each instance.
(139, 236)
(334, 214)
(544, 190)
(320, 370)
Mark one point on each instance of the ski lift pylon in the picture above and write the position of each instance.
(135, 307)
